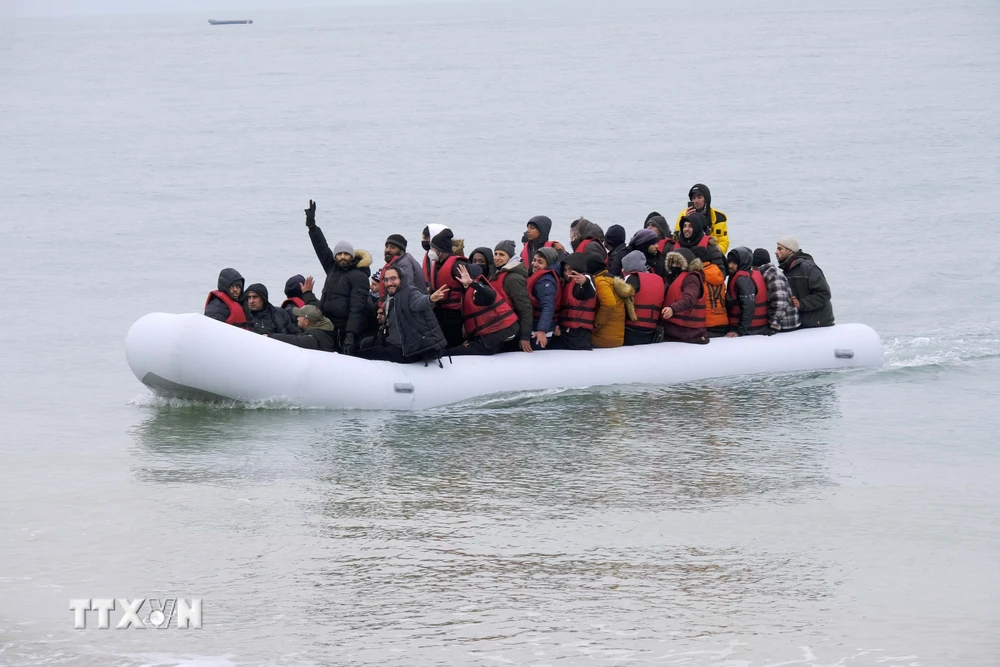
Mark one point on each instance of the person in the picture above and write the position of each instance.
(647, 300)
(265, 318)
(614, 243)
(543, 290)
(704, 247)
(810, 291)
(344, 299)
(410, 331)
(665, 239)
(317, 331)
(646, 241)
(228, 303)
(587, 237)
(746, 296)
(716, 222)
(511, 282)
(614, 300)
(490, 322)
(395, 254)
(536, 237)
(684, 305)
(577, 305)
(484, 258)
(716, 314)
(443, 271)
(782, 314)
(298, 293)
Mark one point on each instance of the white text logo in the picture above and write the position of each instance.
(140, 613)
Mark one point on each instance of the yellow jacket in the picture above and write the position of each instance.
(609, 322)
(720, 230)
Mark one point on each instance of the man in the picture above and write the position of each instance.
(810, 291)
(665, 239)
(228, 303)
(782, 314)
(410, 331)
(614, 298)
(684, 306)
(298, 293)
(317, 330)
(511, 282)
(588, 238)
(395, 255)
(345, 293)
(536, 237)
(647, 300)
(716, 221)
(489, 320)
(614, 243)
(265, 318)
(694, 238)
(577, 305)
(716, 314)
(484, 258)
(646, 241)
(543, 290)
(443, 271)
(746, 296)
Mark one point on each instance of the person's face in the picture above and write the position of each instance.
(303, 322)
(655, 229)
(532, 233)
(480, 260)
(653, 250)
(500, 257)
(344, 259)
(391, 251)
(699, 201)
(687, 229)
(235, 290)
(391, 280)
(782, 253)
(733, 267)
(538, 263)
(256, 301)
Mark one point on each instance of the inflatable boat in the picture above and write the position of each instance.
(193, 356)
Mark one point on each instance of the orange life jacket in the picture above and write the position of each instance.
(715, 297)
(694, 318)
(760, 318)
(483, 320)
(237, 316)
(648, 301)
(576, 313)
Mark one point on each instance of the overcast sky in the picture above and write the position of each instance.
(241, 7)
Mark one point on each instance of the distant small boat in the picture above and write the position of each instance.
(233, 22)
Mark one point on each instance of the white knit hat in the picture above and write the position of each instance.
(789, 242)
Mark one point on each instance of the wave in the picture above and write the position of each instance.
(941, 348)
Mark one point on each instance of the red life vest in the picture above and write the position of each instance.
(694, 318)
(648, 301)
(237, 316)
(536, 306)
(295, 301)
(760, 318)
(483, 320)
(703, 243)
(662, 245)
(497, 283)
(576, 313)
(524, 254)
(441, 275)
(381, 283)
(583, 245)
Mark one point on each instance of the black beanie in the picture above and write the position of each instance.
(442, 240)
(258, 289)
(761, 257)
(615, 235)
(293, 286)
(396, 240)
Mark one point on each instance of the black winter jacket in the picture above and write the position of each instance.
(809, 286)
(412, 312)
(345, 292)
(311, 339)
(218, 310)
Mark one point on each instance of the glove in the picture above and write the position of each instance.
(769, 332)
(311, 214)
(348, 348)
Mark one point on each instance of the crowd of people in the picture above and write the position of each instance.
(607, 290)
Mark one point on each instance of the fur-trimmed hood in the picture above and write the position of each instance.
(458, 247)
(676, 260)
(362, 258)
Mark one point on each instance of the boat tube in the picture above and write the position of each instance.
(193, 356)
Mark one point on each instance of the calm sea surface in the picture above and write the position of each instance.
(821, 519)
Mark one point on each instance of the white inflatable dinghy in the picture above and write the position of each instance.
(193, 356)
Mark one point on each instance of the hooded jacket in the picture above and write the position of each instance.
(544, 226)
(809, 286)
(692, 290)
(546, 291)
(491, 267)
(746, 292)
(411, 312)
(710, 254)
(515, 283)
(582, 230)
(345, 293)
(609, 323)
(269, 319)
(216, 308)
(317, 337)
(716, 220)
(410, 267)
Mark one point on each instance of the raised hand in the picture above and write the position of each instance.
(311, 214)
(463, 275)
(307, 285)
(440, 294)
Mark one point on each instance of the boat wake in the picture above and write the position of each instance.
(941, 348)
